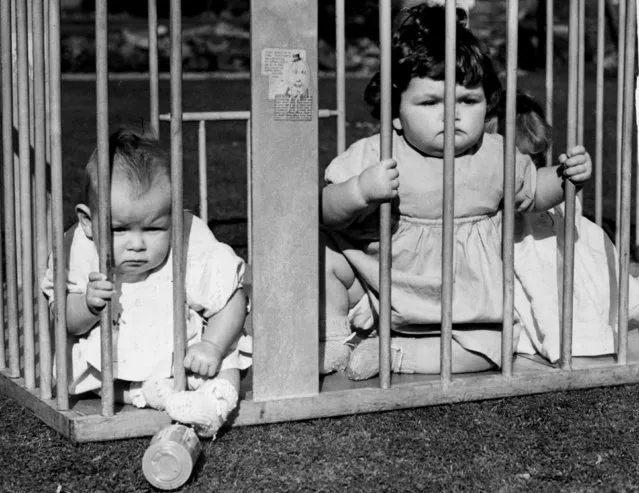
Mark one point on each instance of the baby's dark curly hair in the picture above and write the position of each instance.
(418, 50)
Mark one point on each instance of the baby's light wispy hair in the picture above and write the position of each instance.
(134, 156)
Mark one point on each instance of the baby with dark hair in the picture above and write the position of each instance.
(357, 181)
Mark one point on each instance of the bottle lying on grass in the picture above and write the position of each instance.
(168, 462)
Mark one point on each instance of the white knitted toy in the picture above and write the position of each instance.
(205, 408)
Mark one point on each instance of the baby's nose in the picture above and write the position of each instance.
(136, 241)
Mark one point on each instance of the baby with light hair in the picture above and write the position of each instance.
(139, 292)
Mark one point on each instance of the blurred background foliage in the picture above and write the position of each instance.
(216, 34)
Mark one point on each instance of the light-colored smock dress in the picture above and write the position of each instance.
(416, 271)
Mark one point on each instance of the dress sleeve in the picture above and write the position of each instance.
(359, 156)
(213, 271)
(80, 258)
(525, 182)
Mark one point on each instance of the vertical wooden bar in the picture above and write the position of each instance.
(47, 95)
(203, 180)
(57, 210)
(581, 60)
(105, 249)
(340, 73)
(285, 237)
(47, 106)
(248, 275)
(32, 124)
(626, 172)
(508, 227)
(581, 80)
(24, 149)
(635, 251)
(249, 191)
(154, 78)
(5, 86)
(599, 112)
(386, 152)
(10, 246)
(3, 298)
(621, 57)
(16, 158)
(569, 193)
(3, 295)
(31, 90)
(550, 74)
(450, 85)
(29, 29)
(40, 155)
(177, 198)
(581, 53)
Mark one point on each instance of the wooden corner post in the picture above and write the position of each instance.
(284, 198)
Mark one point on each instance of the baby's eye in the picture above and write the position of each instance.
(428, 102)
(118, 229)
(470, 100)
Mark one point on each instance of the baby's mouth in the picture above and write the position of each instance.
(134, 262)
(457, 131)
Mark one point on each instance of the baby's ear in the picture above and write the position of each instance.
(397, 124)
(84, 219)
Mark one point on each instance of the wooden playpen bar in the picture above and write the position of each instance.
(284, 383)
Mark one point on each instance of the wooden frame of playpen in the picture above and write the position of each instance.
(284, 383)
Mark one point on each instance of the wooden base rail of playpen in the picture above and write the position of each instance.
(338, 396)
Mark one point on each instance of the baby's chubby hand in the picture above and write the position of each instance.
(576, 165)
(203, 358)
(99, 292)
(379, 182)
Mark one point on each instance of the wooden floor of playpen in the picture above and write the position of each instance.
(339, 396)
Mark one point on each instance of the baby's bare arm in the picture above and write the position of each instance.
(83, 309)
(79, 318)
(222, 330)
(575, 166)
(341, 202)
(225, 327)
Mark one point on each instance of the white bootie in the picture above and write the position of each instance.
(364, 362)
(333, 344)
(152, 393)
(205, 408)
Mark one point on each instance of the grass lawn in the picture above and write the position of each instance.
(569, 441)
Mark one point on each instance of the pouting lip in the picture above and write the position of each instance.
(133, 262)
(457, 131)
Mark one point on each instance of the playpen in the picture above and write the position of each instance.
(284, 258)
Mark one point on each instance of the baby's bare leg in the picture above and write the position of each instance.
(339, 292)
(413, 355)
